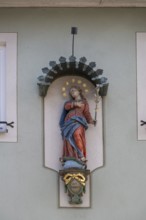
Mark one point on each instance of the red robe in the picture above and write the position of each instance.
(79, 133)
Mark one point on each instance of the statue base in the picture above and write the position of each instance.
(74, 176)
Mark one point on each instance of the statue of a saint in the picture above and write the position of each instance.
(73, 123)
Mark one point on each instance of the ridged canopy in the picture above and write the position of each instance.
(72, 68)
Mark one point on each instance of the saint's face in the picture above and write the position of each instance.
(74, 93)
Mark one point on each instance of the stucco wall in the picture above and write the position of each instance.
(28, 191)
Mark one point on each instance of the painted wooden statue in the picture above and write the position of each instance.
(73, 123)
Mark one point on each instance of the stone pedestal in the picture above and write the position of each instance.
(74, 183)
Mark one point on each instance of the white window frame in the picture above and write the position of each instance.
(8, 74)
(3, 127)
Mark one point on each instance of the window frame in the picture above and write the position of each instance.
(10, 40)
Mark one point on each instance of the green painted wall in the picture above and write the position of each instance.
(28, 191)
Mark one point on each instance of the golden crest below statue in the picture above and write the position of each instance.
(75, 183)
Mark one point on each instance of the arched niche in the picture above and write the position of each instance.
(50, 86)
(53, 105)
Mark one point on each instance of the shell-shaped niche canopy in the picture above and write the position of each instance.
(72, 68)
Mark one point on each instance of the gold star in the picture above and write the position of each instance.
(86, 90)
(79, 81)
(73, 80)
